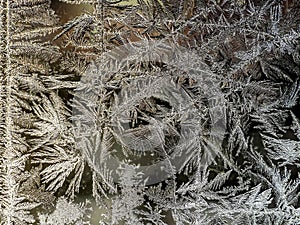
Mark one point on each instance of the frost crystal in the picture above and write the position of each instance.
(149, 112)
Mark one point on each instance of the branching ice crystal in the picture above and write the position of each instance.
(149, 112)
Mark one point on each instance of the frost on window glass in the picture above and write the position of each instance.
(149, 112)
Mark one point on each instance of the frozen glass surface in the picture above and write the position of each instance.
(141, 112)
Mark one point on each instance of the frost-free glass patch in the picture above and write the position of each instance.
(149, 112)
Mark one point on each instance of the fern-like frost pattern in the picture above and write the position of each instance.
(149, 112)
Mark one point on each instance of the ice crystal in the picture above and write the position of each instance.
(155, 111)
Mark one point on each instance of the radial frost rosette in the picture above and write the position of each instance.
(150, 103)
